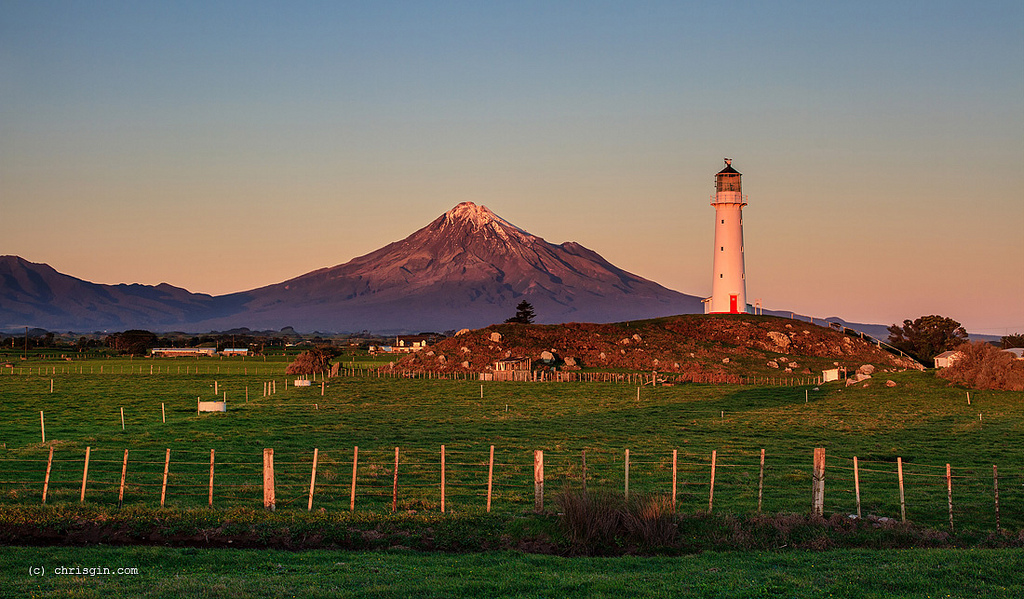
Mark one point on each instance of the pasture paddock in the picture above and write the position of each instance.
(921, 421)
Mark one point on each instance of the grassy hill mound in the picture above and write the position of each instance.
(740, 344)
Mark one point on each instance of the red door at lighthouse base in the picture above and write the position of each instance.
(732, 303)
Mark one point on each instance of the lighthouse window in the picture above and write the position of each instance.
(723, 221)
(723, 248)
(722, 276)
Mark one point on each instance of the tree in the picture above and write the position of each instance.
(317, 359)
(1014, 340)
(524, 313)
(927, 337)
(134, 342)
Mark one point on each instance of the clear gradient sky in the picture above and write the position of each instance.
(221, 146)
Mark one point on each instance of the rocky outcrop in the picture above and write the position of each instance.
(679, 344)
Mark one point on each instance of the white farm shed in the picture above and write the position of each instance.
(946, 358)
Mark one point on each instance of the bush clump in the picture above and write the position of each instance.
(310, 361)
(982, 366)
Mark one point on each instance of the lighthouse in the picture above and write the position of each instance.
(729, 287)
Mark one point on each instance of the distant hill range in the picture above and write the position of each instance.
(469, 268)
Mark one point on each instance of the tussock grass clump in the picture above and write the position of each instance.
(606, 523)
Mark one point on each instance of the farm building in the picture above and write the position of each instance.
(235, 351)
(178, 352)
(947, 358)
(1018, 352)
(832, 374)
(404, 344)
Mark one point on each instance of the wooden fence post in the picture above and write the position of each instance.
(995, 488)
(903, 503)
(760, 483)
(312, 478)
(122, 418)
(442, 479)
(711, 491)
(818, 482)
(167, 467)
(42, 426)
(211, 479)
(85, 473)
(163, 414)
(490, 478)
(394, 485)
(124, 473)
(949, 495)
(675, 453)
(538, 480)
(46, 480)
(269, 500)
(355, 465)
(856, 484)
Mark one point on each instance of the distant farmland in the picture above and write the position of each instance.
(921, 421)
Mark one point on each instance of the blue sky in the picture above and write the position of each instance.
(882, 143)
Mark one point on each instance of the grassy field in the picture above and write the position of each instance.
(921, 420)
(174, 573)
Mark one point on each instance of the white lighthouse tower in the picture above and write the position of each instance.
(729, 288)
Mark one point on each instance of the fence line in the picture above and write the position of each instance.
(382, 479)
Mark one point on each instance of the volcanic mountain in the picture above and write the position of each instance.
(467, 269)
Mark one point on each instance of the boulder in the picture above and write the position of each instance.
(772, 364)
(602, 356)
(465, 364)
(725, 360)
(637, 338)
(462, 332)
(465, 350)
(866, 369)
(890, 383)
(546, 356)
(496, 337)
(779, 340)
(570, 361)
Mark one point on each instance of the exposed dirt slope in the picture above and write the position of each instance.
(721, 344)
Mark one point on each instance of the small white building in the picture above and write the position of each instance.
(946, 358)
(1018, 352)
(175, 352)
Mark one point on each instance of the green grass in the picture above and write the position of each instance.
(921, 420)
(167, 572)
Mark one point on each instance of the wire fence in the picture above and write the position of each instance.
(383, 372)
(487, 478)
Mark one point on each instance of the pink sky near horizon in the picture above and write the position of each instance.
(882, 148)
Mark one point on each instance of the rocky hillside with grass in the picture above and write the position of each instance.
(742, 345)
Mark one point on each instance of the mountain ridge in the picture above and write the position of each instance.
(466, 269)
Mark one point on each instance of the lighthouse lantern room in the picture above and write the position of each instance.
(729, 287)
